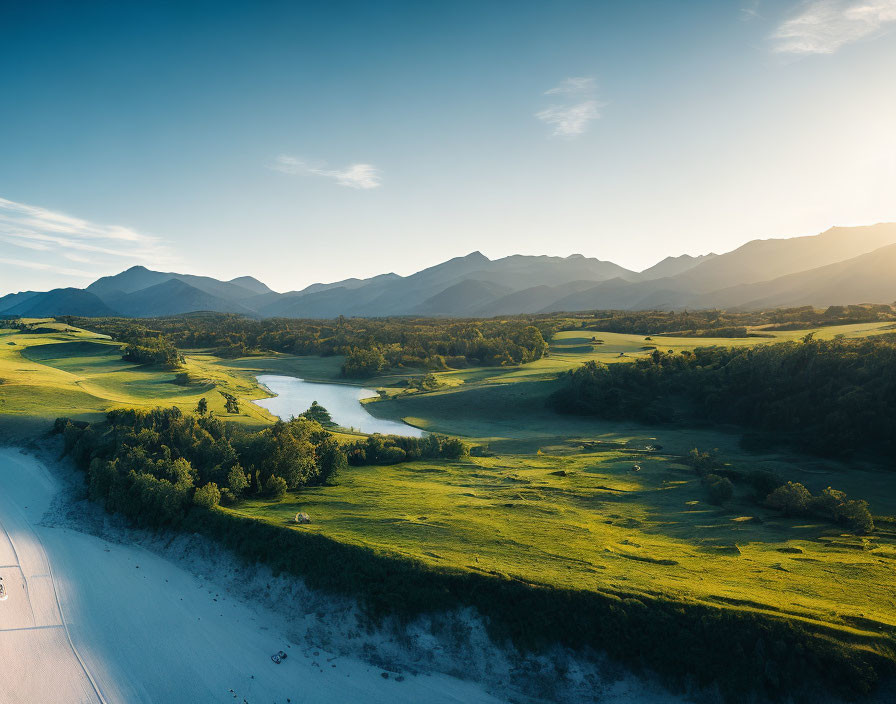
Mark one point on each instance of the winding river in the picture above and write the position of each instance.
(294, 396)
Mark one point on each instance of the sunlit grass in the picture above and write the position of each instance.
(577, 518)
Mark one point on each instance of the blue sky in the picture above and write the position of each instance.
(303, 142)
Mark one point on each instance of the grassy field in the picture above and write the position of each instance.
(551, 507)
(557, 500)
(582, 518)
(60, 371)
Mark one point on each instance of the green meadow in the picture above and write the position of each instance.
(548, 500)
(585, 519)
(64, 371)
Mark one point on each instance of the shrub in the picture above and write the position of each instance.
(331, 460)
(275, 487)
(702, 462)
(391, 455)
(237, 482)
(856, 514)
(763, 482)
(834, 505)
(720, 488)
(207, 496)
(792, 499)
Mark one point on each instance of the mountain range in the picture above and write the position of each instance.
(839, 266)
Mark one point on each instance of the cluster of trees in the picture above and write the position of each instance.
(152, 465)
(832, 397)
(427, 382)
(793, 499)
(769, 489)
(392, 449)
(371, 346)
(231, 403)
(152, 350)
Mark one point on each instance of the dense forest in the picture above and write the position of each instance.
(834, 397)
(370, 346)
(152, 465)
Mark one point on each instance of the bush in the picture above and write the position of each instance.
(792, 499)
(237, 482)
(702, 462)
(207, 496)
(834, 505)
(391, 455)
(857, 516)
(275, 487)
(720, 488)
(763, 482)
(331, 460)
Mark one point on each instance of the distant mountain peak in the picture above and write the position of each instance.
(250, 283)
(842, 265)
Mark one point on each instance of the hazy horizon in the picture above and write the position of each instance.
(261, 276)
(305, 143)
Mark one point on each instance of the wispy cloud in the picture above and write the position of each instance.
(572, 118)
(50, 238)
(44, 266)
(360, 176)
(574, 86)
(27, 244)
(750, 11)
(823, 26)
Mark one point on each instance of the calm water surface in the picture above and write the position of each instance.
(294, 396)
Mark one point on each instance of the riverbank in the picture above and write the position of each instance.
(292, 396)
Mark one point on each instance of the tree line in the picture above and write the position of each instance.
(371, 346)
(832, 397)
(722, 323)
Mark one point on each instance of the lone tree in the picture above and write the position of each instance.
(202, 407)
(318, 413)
